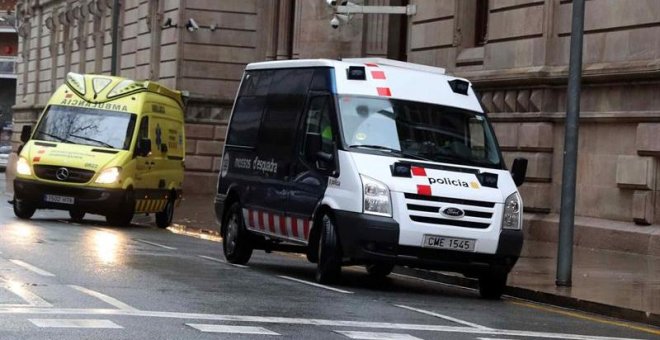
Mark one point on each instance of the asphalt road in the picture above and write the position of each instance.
(60, 280)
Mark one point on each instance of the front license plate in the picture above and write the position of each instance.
(442, 242)
(58, 199)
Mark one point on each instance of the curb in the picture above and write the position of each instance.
(542, 297)
(560, 301)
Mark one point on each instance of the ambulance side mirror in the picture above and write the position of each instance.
(519, 170)
(26, 132)
(143, 147)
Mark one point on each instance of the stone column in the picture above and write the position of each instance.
(284, 30)
(375, 38)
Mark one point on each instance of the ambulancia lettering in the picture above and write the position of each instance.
(102, 106)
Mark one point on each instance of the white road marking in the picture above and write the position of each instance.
(206, 328)
(19, 289)
(301, 321)
(222, 261)
(377, 335)
(493, 339)
(105, 298)
(155, 244)
(316, 284)
(32, 268)
(446, 317)
(74, 323)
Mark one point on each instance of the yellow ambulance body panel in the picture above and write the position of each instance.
(104, 145)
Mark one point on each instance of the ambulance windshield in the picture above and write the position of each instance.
(86, 126)
(418, 130)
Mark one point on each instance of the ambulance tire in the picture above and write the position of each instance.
(23, 210)
(236, 241)
(492, 284)
(379, 270)
(164, 218)
(76, 215)
(328, 266)
(124, 216)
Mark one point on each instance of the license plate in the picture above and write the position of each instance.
(58, 199)
(442, 242)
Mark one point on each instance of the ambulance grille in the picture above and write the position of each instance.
(427, 209)
(49, 172)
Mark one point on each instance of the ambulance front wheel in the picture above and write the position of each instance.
(23, 209)
(328, 266)
(236, 243)
(492, 284)
(76, 215)
(124, 215)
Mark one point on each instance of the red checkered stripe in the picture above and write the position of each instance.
(383, 91)
(420, 173)
(276, 224)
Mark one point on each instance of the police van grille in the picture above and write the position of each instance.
(49, 172)
(427, 209)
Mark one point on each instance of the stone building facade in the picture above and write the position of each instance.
(514, 51)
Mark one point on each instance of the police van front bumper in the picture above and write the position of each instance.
(375, 239)
(92, 200)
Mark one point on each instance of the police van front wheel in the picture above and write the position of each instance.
(492, 284)
(328, 266)
(379, 270)
(23, 210)
(236, 243)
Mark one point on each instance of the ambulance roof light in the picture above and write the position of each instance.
(76, 82)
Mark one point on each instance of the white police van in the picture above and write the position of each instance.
(368, 161)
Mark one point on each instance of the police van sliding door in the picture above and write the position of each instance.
(316, 138)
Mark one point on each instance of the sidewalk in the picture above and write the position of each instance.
(617, 284)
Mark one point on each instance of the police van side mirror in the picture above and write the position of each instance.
(519, 170)
(313, 145)
(26, 132)
(143, 147)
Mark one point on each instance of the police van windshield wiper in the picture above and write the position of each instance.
(391, 150)
(102, 143)
(58, 138)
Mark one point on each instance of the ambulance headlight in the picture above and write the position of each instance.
(108, 176)
(23, 167)
(376, 197)
(512, 218)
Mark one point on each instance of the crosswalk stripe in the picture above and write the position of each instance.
(209, 328)
(74, 323)
(377, 335)
(32, 268)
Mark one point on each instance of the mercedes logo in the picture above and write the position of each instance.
(62, 174)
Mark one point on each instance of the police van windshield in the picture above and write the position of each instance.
(86, 126)
(418, 130)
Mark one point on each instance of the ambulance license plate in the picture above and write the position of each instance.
(452, 243)
(59, 199)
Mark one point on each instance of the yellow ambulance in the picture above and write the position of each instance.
(104, 145)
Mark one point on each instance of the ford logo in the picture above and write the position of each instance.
(453, 212)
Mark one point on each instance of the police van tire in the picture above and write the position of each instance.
(23, 210)
(164, 218)
(328, 266)
(492, 284)
(236, 242)
(379, 270)
(76, 215)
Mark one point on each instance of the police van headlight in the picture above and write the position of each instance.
(376, 197)
(108, 176)
(23, 167)
(512, 218)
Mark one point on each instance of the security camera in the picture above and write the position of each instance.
(334, 23)
(192, 25)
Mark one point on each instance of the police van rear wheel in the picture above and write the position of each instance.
(379, 270)
(236, 241)
(22, 209)
(164, 218)
(76, 215)
(328, 267)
